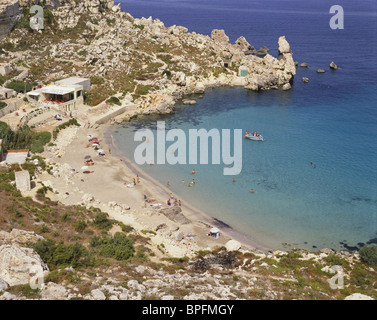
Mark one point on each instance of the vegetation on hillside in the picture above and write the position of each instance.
(81, 238)
(23, 138)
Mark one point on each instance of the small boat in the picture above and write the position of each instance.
(249, 136)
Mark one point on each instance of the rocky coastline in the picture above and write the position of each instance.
(148, 67)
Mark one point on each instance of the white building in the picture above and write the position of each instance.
(6, 93)
(65, 95)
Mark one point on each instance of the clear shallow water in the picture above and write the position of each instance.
(330, 122)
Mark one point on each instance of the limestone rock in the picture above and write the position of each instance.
(87, 198)
(333, 66)
(18, 264)
(8, 296)
(243, 45)
(305, 79)
(233, 245)
(304, 65)
(187, 101)
(219, 36)
(358, 296)
(321, 71)
(9, 13)
(97, 294)
(3, 285)
(19, 236)
(53, 291)
(175, 214)
(284, 46)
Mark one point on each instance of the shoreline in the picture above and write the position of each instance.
(170, 232)
(190, 211)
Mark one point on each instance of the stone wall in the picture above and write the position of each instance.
(11, 107)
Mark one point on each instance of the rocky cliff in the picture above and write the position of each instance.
(9, 13)
(142, 60)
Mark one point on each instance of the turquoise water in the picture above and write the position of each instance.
(330, 122)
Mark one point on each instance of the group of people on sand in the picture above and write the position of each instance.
(136, 180)
(89, 162)
(176, 201)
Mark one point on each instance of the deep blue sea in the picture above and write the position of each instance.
(331, 122)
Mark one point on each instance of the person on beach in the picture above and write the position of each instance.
(175, 202)
(234, 180)
(169, 203)
(138, 179)
(193, 171)
(168, 184)
(134, 182)
(193, 181)
(179, 203)
(252, 191)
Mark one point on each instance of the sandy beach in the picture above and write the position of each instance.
(109, 186)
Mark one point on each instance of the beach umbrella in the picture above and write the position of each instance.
(100, 151)
(214, 230)
(95, 144)
(84, 168)
(88, 157)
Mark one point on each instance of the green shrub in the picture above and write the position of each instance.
(119, 247)
(368, 254)
(19, 86)
(80, 225)
(71, 122)
(139, 26)
(24, 138)
(101, 221)
(97, 80)
(114, 100)
(2, 105)
(60, 255)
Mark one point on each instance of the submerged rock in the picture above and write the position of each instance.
(333, 66)
(191, 102)
(321, 71)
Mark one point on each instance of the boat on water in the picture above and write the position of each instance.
(253, 136)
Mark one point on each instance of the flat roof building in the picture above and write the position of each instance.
(65, 95)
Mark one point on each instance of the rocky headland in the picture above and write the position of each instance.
(138, 60)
